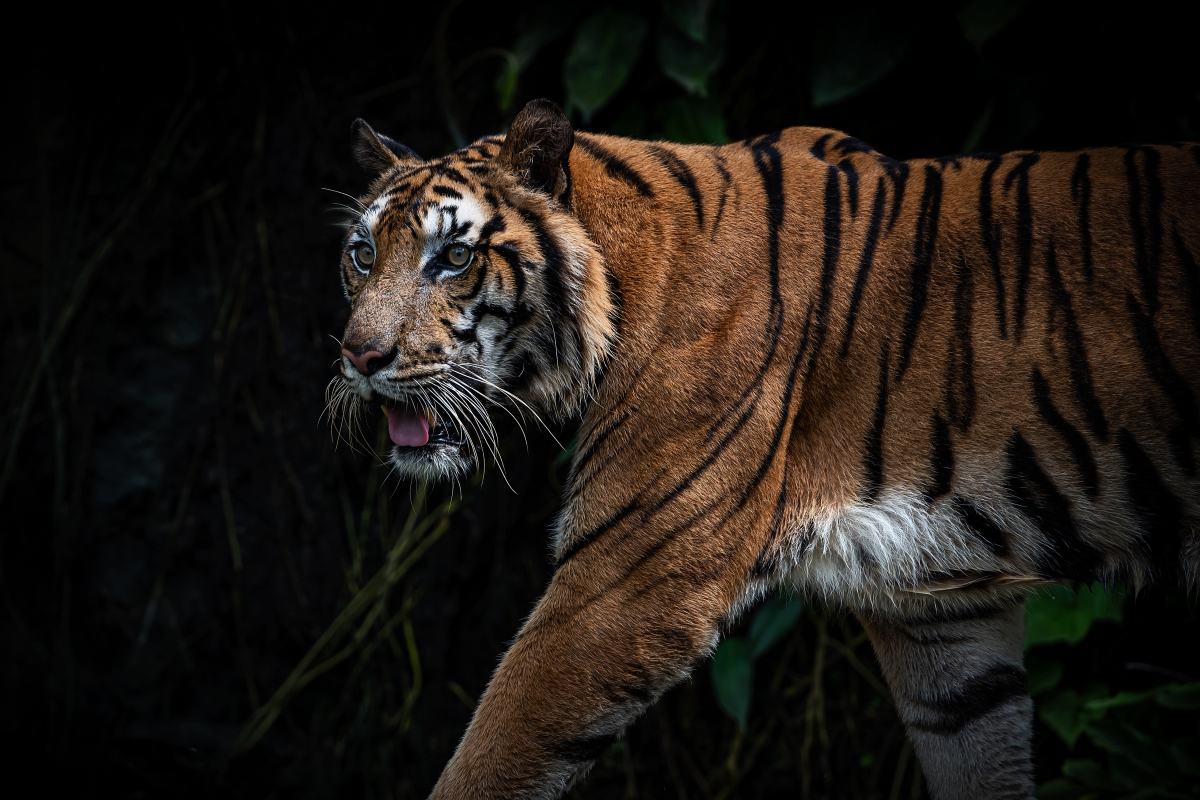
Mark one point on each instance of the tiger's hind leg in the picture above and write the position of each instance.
(962, 693)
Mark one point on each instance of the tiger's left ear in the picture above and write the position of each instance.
(377, 153)
(536, 149)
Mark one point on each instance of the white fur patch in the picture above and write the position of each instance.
(441, 218)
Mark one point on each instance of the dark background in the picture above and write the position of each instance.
(178, 528)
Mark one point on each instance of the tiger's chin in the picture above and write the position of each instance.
(425, 446)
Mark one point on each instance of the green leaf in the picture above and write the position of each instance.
(1087, 772)
(1044, 673)
(771, 622)
(1186, 752)
(1123, 739)
(1059, 614)
(853, 51)
(733, 678)
(538, 27)
(689, 16)
(1179, 695)
(1064, 712)
(606, 47)
(1060, 789)
(693, 120)
(980, 20)
(688, 62)
(1120, 699)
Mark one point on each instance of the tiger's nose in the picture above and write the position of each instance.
(371, 361)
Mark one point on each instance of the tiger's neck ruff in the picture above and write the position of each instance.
(917, 388)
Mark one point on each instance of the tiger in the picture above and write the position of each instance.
(916, 390)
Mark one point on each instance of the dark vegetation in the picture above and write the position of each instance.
(203, 595)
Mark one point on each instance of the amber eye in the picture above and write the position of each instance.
(364, 254)
(457, 255)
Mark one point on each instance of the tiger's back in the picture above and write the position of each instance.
(916, 388)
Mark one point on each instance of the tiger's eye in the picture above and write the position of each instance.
(365, 254)
(457, 255)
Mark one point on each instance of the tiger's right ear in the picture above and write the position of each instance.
(376, 153)
(536, 149)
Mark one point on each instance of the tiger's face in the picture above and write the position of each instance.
(472, 287)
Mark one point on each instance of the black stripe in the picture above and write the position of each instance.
(1191, 275)
(768, 559)
(1080, 370)
(1145, 217)
(510, 256)
(922, 267)
(865, 261)
(960, 356)
(898, 174)
(1160, 510)
(990, 233)
(446, 191)
(581, 748)
(1174, 386)
(818, 147)
(481, 273)
(943, 615)
(494, 225)
(977, 697)
(1076, 443)
(683, 175)
(615, 297)
(941, 460)
(1035, 495)
(552, 269)
(831, 252)
(726, 181)
(847, 169)
(982, 526)
(453, 174)
(873, 447)
(1081, 193)
(615, 167)
(1020, 175)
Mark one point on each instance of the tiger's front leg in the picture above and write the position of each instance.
(601, 645)
(962, 692)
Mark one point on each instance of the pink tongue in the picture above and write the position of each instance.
(407, 428)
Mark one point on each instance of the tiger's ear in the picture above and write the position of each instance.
(376, 153)
(536, 149)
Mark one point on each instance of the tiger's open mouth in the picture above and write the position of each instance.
(414, 427)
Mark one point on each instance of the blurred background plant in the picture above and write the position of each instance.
(204, 595)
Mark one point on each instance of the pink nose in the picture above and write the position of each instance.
(362, 361)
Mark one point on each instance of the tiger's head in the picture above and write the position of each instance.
(472, 286)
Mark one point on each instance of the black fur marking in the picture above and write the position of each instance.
(818, 148)
(1081, 193)
(873, 448)
(960, 356)
(941, 460)
(982, 526)
(941, 616)
(1178, 393)
(865, 262)
(1160, 510)
(990, 232)
(1035, 495)
(768, 560)
(493, 226)
(1076, 443)
(1145, 217)
(1019, 174)
(1191, 275)
(922, 268)
(480, 275)
(510, 256)
(584, 540)
(831, 253)
(683, 175)
(615, 167)
(446, 191)
(977, 697)
(1076, 356)
(726, 180)
(898, 174)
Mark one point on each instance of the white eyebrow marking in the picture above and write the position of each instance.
(441, 219)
